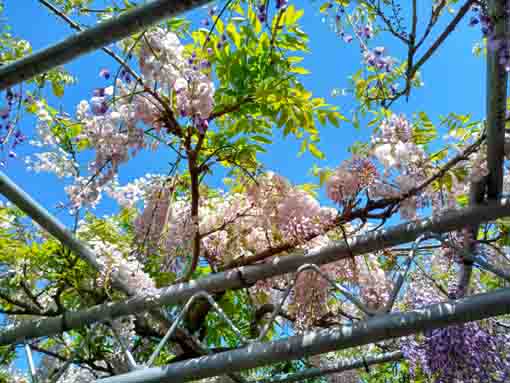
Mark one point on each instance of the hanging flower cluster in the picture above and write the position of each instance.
(402, 161)
(163, 63)
(471, 352)
(114, 119)
(311, 295)
(398, 168)
(235, 224)
(11, 136)
(348, 180)
(460, 353)
(113, 260)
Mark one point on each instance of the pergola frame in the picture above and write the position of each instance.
(237, 278)
(377, 328)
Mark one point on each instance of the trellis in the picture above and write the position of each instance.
(377, 326)
(472, 308)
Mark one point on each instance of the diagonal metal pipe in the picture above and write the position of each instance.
(375, 329)
(101, 35)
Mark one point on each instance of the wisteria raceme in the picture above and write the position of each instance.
(58, 162)
(310, 296)
(460, 353)
(236, 225)
(130, 194)
(394, 147)
(162, 61)
(152, 222)
(113, 134)
(402, 161)
(312, 292)
(470, 352)
(349, 179)
(113, 260)
(396, 151)
(376, 58)
(83, 192)
(113, 121)
(9, 118)
(373, 282)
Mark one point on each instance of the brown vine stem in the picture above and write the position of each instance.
(364, 212)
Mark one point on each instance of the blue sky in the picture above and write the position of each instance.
(454, 81)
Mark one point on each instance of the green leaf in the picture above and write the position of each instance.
(321, 115)
(262, 139)
(333, 119)
(295, 59)
(302, 148)
(324, 7)
(315, 151)
(58, 89)
(298, 70)
(233, 34)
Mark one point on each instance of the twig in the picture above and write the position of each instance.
(77, 27)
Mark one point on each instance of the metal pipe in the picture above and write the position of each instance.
(404, 271)
(31, 365)
(40, 215)
(132, 365)
(246, 276)
(497, 78)
(101, 35)
(477, 192)
(342, 366)
(374, 329)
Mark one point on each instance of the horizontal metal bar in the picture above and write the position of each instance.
(101, 35)
(342, 366)
(375, 329)
(248, 275)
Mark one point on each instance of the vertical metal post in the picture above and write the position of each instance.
(497, 79)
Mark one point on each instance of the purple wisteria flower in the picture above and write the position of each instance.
(261, 13)
(105, 73)
(487, 25)
(281, 4)
(377, 59)
(460, 353)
